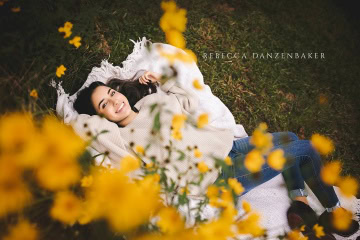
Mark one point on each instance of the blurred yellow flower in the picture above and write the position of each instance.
(261, 140)
(66, 29)
(319, 231)
(66, 208)
(173, 18)
(170, 221)
(34, 94)
(114, 197)
(263, 127)
(168, 6)
(220, 229)
(212, 191)
(330, 172)
(246, 206)
(197, 153)
(228, 161)
(250, 225)
(23, 230)
(190, 56)
(175, 38)
(140, 149)
(341, 219)
(184, 190)
(254, 161)
(176, 134)
(149, 165)
(203, 120)
(60, 71)
(86, 181)
(236, 186)
(296, 235)
(58, 173)
(14, 192)
(15, 9)
(322, 144)
(323, 99)
(197, 84)
(202, 167)
(276, 159)
(129, 163)
(76, 41)
(178, 121)
(348, 186)
(60, 167)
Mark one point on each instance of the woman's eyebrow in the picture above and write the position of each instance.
(103, 99)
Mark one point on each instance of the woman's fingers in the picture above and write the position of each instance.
(142, 80)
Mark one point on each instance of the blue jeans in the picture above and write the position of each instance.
(303, 163)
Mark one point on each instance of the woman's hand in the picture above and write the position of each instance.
(149, 77)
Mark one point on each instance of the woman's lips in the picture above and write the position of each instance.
(121, 107)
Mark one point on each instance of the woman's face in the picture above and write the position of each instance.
(111, 104)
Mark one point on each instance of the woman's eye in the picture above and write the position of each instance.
(104, 105)
(112, 94)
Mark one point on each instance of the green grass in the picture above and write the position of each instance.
(282, 93)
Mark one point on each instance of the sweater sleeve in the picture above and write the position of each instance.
(108, 138)
(188, 100)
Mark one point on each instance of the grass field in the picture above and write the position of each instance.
(299, 95)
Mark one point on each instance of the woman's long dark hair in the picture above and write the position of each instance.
(132, 89)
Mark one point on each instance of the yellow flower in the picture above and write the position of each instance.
(220, 229)
(236, 186)
(66, 29)
(322, 144)
(246, 206)
(202, 167)
(250, 225)
(140, 149)
(173, 18)
(58, 173)
(23, 230)
(184, 190)
(254, 161)
(212, 191)
(319, 231)
(276, 159)
(348, 186)
(86, 181)
(341, 219)
(149, 165)
(228, 161)
(323, 99)
(168, 6)
(66, 207)
(34, 94)
(14, 192)
(263, 127)
(261, 140)
(16, 9)
(197, 84)
(203, 120)
(302, 228)
(114, 197)
(170, 221)
(60, 71)
(197, 153)
(76, 41)
(129, 163)
(190, 56)
(68, 25)
(178, 121)
(296, 235)
(176, 134)
(330, 172)
(175, 38)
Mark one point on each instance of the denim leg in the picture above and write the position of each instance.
(239, 150)
(303, 163)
